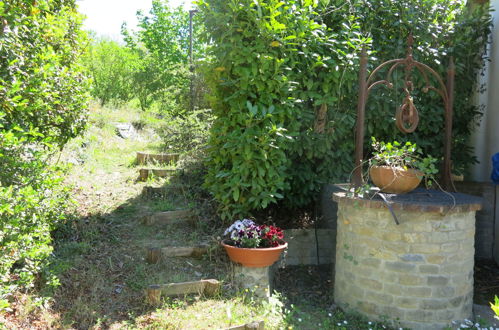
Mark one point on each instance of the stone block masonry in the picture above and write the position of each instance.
(309, 246)
(486, 218)
(419, 273)
(257, 281)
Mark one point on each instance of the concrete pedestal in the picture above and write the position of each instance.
(257, 281)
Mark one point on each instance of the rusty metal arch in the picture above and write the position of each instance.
(407, 114)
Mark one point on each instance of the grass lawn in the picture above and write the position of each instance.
(100, 255)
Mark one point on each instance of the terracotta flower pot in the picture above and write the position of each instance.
(395, 180)
(257, 257)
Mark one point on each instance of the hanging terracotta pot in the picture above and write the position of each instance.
(254, 257)
(394, 180)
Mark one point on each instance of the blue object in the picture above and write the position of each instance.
(495, 168)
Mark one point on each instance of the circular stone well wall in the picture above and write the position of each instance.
(419, 273)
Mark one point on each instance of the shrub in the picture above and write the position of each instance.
(284, 76)
(441, 29)
(112, 69)
(42, 86)
(186, 133)
(162, 44)
(43, 94)
(270, 73)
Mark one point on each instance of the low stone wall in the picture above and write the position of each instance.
(309, 246)
(419, 272)
(485, 238)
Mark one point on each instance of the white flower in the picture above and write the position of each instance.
(345, 322)
(233, 235)
(299, 320)
(247, 222)
(329, 314)
(237, 226)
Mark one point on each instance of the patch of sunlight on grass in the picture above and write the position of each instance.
(218, 313)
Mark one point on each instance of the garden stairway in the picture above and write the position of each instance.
(144, 158)
(208, 287)
(157, 253)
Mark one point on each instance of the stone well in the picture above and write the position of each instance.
(420, 272)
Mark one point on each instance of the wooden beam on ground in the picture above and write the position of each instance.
(153, 295)
(190, 251)
(144, 158)
(257, 325)
(202, 287)
(169, 217)
(154, 254)
(145, 173)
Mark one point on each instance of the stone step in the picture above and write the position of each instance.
(155, 254)
(170, 217)
(145, 173)
(144, 158)
(203, 287)
(257, 325)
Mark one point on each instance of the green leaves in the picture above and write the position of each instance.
(159, 70)
(43, 100)
(276, 63)
(265, 101)
(112, 69)
(41, 76)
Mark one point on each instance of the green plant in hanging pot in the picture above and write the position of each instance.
(399, 168)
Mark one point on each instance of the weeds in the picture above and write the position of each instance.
(99, 256)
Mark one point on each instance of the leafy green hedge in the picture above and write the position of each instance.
(276, 63)
(43, 95)
(30, 208)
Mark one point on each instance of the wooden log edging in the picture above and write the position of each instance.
(257, 325)
(170, 217)
(145, 173)
(144, 158)
(203, 287)
(154, 254)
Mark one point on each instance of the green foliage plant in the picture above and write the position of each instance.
(186, 133)
(43, 97)
(495, 307)
(441, 29)
(161, 44)
(274, 64)
(112, 68)
(42, 84)
(270, 72)
(403, 156)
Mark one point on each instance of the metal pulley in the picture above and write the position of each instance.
(407, 116)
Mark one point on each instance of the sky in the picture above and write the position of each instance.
(106, 16)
